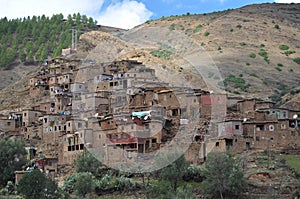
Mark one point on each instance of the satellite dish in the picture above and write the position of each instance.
(295, 116)
(245, 119)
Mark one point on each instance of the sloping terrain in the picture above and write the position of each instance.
(250, 50)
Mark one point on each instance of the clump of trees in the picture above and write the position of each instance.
(34, 38)
(12, 158)
(35, 185)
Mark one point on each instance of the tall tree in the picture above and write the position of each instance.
(224, 176)
(12, 157)
(35, 185)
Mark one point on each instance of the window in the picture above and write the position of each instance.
(217, 144)
(237, 127)
(79, 125)
(271, 128)
(282, 126)
(8, 123)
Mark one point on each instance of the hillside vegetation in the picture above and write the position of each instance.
(33, 39)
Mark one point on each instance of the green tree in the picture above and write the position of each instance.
(86, 162)
(12, 158)
(223, 176)
(174, 172)
(84, 183)
(35, 185)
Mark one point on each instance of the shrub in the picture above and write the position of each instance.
(206, 33)
(280, 65)
(297, 60)
(247, 63)
(262, 45)
(239, 26)
(84, 183)
(276, 26)
(253, 75)
(243, 44)
(278, 68)
(289, 52)
(283, 47)
(172, 27)
(262, 52)
(252, 55)
(197, 28)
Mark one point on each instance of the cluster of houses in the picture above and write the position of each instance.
(121, 110)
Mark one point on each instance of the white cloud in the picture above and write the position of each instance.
(125, 14)
(23, 8)
(287, 1)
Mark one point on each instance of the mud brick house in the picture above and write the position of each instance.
(30, 116)
(7, 124)
(231, 127)
(213, 105)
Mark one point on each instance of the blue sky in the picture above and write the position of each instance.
(121, 13)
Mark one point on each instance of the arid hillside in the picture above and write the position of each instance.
(255, 47)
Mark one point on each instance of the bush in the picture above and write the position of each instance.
(239, 26)
(243, 44)
(253, 75)
(206, 34)
(197, 28)
(283, 47)
(280, 65)
(36, 185)
(252, 55)
(289, 52)
(193, 173)
(84, 183)
(278, 68)
(276, 26)
(172, 27)
(297, 60)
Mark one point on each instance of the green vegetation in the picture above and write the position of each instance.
(36, 185)
(34, 39)
(12, 158)
(172, 27)
(252, 55)
(262, 52)
(248, 64)
(297, 60)
(243, 44)
(224, 176)
(164, 52)
(262, 45)
(238, 82)
(280, 65)
(276, 26)
(284, 47)
(253, 75)
(278, 68)
(293, 161)
(206, 33)
(239, 26)
(197, 28)
(289, 52)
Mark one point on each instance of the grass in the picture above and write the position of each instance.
(292, 161)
